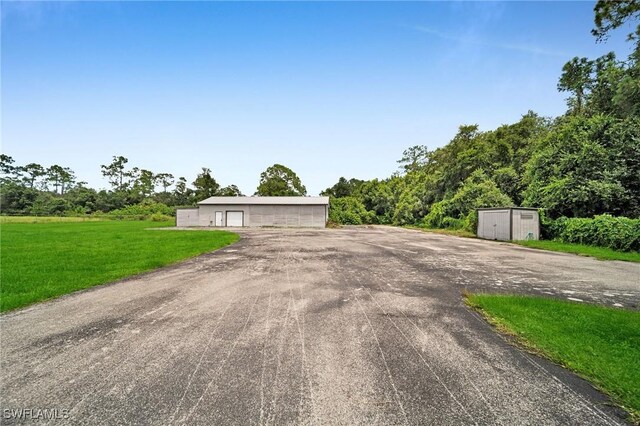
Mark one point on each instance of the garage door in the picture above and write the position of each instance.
(235, 218)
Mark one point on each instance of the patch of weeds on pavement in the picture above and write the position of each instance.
(600, 344)
(454, 232)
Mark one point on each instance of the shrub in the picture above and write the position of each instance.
(453, 223)
(349, 211)
(159, 217)
(437, 215)
(618, 233)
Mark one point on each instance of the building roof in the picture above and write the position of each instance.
(508, 208)
(315, 201)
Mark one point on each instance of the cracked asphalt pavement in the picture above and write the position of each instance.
(336, 326)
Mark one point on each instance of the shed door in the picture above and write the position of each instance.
(218, 219)
(235, 218)
(496, 225)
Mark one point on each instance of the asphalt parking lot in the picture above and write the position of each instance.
(347, 326)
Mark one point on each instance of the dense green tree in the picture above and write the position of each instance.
(577, 168)
(624, 149)
(183, 195)
(47, 204)
(349, 211)
(509, 182)
(165, 180)
(16, 198)
(61, 178)
(9, 172)
(107, 201)
(230, 191)
(607, 76)
(576, 79)
(6, 165)
(378, 198)
(33, 171)
(117, 173)
(343, 188)
(206, 186)
(459, 211)
(145, 182)
(466, 152)
(407, 209)
(82, 199)
(611, 14)
(414, 158)
(279, 180)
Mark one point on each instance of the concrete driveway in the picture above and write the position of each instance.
(348, 326)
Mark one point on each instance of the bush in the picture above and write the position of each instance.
(437, 215)
(349, 211)
(618, 233)
(159, 217)
(453, 223)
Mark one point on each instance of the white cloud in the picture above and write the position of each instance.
(474, 40)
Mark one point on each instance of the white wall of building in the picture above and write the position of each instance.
(267, 215)
(187, 217)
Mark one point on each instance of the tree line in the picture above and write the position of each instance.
(34, 189)
(581, 164)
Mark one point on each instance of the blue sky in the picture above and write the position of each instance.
(327, 89)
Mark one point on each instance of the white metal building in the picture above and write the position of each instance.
(509, 223)
(257, 211)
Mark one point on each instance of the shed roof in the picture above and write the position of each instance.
(507, 208)
(267, 200)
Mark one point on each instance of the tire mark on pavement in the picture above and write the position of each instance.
(280, 349)
(301, 334)
(235, 343)
(440, 381)
(113, 372)
(311, 397)
(204, 351)
(266, 341)
(384, 360)
(466, 377)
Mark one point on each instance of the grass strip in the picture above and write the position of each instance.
(602, 253)
(40, 261)
(445, 231)
(48, 219)
(599, 343)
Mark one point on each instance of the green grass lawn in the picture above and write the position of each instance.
(601, 344)
(601, 253)
(45, 260)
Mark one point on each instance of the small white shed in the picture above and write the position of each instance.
(508, 223)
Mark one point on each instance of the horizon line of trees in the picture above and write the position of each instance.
(34, 189)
